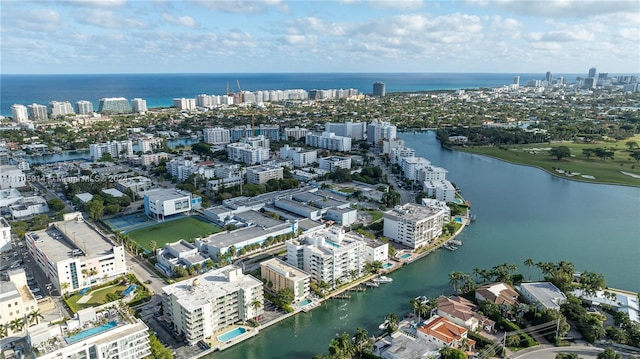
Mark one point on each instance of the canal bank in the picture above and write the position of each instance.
(522, 213)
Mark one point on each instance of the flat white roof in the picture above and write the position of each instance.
(213, 284)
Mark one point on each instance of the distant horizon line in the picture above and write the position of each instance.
(315, 73)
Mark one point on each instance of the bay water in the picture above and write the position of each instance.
(522, 212)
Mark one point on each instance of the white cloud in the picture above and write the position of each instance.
(406, 5)
(562, 36)
(240, 7)
(187, 21)
(506, 27)
(566, 8)
(95, 3)
(39, 20)
(108, 19)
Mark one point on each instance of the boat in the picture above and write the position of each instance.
(371, 284)
(383, 326)
(456, 242)
(422, 299)
(473, 218)
(450, 247)
(383, 279)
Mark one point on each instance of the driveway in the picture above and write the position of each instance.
(584, 351)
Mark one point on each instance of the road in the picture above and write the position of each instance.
(405, 196)
(583, 351)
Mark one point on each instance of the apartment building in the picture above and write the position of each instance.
(281, 275)
(73, 255)
(354, 130)
(301, 157)
(332, 163)
(136, 184)
(102, 333)
(329, 255)
(199, 307)
(330, 141)
(216, 136)
(16, 299)
(262, 174)
(442, 190)
(246, 153)
(413, 225)
(117, 149)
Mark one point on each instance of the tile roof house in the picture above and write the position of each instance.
(443, 332)
(463, 312)
(497, 293)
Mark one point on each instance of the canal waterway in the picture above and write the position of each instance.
(84, 155)
(522, 212)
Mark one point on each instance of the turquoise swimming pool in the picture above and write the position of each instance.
(305, 302)
(89, 332)
(458, 219)
(387, 266)
(405, 256)
(231, 334)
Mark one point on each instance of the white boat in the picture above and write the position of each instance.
(383, 325)
(371, 284)
(383, 279)
(456, 242)
(450, 247)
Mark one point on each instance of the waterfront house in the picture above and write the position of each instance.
(463, 312)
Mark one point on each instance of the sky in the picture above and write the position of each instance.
(210, 36)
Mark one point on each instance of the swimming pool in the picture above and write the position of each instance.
(387, 266)
(458, 219)
(231, 334)
(332, 244)
(405, 256)
(89, 332)
(305, 302)
(458, 201)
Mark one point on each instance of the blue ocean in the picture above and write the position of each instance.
(159, 89)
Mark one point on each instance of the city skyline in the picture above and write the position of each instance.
(120, 36)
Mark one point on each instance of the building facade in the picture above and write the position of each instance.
(197, 308)
(216, 136)
(161, 203)
(84, 107)
(413, 225)
(262, 174)
(19, 113)
(114, 105)
(117, 149)
(73, 255)
(281, 275)
(139, 105)
(37, 112)
(330, 141)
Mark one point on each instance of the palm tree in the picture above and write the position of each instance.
(35, 316)
(16, 325)
(454, 279)
(3, 331)
(64, 286)
(363, 344)
(153, 245)
(255, 304)
(513, 340)
(391, 323)
(529, 263)
(341, 346)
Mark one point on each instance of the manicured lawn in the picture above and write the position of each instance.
(604, 171)
(375, 215)
(185, 228)
(347, 190)
(98, 297)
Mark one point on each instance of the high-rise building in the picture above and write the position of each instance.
(117, 149)
(59, 108)
(380, 130)
(216, 136)
(114, 105)
(353, 130)
(378, 89)
(184, 103)
(19, 113)
(37, 112)
(139, 105)
(516, 80)
(548, 77)
(413, 225)
(592, 72)
(84, 107)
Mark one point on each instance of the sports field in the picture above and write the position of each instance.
(167, 232)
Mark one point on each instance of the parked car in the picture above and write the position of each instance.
(35, 290)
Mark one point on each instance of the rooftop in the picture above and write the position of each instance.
(227, 239)
(411, 212)
(213, 284)
(545, 293)
(284, 269)
(61, 238)
(162, 194)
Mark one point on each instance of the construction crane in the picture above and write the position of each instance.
(240, 91)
